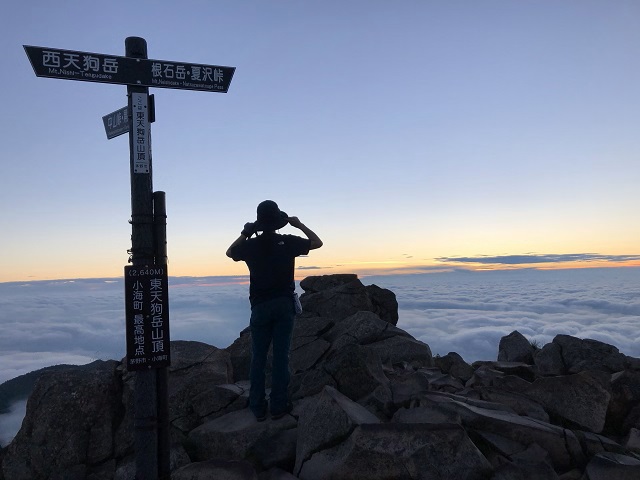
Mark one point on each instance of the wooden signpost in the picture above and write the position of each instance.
(146, 279)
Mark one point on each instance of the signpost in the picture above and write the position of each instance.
(116, 123)
(146, 280)
(98, 67)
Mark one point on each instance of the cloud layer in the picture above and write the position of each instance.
(75, 322)
(48, 323)
(468, 312)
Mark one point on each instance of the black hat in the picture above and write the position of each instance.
(270, 217)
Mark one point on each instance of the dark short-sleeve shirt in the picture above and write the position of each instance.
(271, 262)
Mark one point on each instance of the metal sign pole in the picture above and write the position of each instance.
(142, 253)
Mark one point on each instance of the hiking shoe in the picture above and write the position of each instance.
(261, 415)
(278, 415)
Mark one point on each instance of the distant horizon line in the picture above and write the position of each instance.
(402, 271)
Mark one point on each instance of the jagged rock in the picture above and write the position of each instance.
(310, 383)
(632, 440)
(433, 414)
(277, 451)
(405, 388)
(232, 436)
(195, 368)
(579, 355)
(549, 360)
(340, 296)
(220, 400)
(632, 420)
(530, 463)
(578, 398)
(314, 284)
(69, 424)
(362, 328)
(308, 327)
(443, 382)
(398, 349)
(453, 364)
(357, 371)
(307, 356)
(592, 443)
(562, 445)
(625, 394)
(385, 304)
(329, 418)
(608, 466)
(519, 369)
(484, 376)
(218, 469)
(515, 348)
(240, 356)
(400, 451)
(520, 404)
(126, 468)
(324, 299)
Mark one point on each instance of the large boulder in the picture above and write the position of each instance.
(340, 296)
(579, 399)
(625, 395)
(400, 451)
(609, 466)
(579, 355)
(326, 420)
(515, 348)
(233, 436)
(69, 425)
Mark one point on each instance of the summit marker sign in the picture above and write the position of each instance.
(142, 72)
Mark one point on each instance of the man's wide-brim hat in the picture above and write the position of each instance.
(270, 217)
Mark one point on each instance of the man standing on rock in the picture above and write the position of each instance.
(271, 261)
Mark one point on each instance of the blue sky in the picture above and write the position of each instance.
(404, 133)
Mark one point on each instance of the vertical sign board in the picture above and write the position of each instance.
(140, 121)
(147, 312)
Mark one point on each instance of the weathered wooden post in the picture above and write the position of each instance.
(162, 375)
(142, 253)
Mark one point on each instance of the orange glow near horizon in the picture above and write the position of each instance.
(360, 268)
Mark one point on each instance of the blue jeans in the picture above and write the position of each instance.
(271, 321)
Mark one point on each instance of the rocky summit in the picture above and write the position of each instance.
(370, 402)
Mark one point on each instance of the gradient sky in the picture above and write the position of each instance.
(410, 135)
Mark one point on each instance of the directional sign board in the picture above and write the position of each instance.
(116, 123)
(98, 67)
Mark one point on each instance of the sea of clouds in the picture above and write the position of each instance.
(78, 321)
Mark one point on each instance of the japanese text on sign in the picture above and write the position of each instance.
(116, 123)
(147, 309)
(168, 74)
(81, 65)
(140, 124)
(97, 67)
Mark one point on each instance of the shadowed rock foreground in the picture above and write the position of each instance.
(370, 402)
